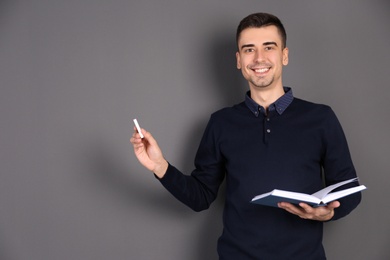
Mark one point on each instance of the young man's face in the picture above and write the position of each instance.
(260, 57)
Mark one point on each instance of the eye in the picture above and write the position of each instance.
(268, 48)
(249, 50)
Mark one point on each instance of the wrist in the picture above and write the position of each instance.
(161, 169)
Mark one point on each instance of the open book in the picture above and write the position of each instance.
(320, 198)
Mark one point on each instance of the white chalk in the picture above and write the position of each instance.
(138, 128)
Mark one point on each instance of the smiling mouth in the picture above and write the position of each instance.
(262, 70)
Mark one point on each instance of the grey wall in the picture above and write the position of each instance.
(73, 74)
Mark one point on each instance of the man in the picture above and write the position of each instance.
(270, 140)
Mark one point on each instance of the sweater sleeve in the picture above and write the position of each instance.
(199, 189)
(337, 163)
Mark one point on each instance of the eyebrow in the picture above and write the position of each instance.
(247, 46)
(270, 43)
(264, 44)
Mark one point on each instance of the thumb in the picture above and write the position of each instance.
(152, 146)
(334, 204)
(149, 137)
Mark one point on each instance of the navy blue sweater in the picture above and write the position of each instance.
(290, 148)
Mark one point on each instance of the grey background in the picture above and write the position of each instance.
(73, 75)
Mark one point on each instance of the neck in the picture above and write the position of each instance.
(265, 97)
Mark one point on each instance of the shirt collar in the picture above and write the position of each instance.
(279, 105)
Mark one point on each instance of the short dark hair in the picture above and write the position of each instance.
(258, 20)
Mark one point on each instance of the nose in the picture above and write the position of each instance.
(259, 56)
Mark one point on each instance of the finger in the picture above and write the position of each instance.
(286, 205)
(148, 136)
(136, 135)
(334, 204)
(290, 208)
(136, 140)
(306, 207)
(135, 132)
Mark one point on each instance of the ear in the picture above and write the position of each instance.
(285, 56)
(238, 61)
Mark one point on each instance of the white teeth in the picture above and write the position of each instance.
(262, 70)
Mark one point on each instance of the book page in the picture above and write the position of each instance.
(339, 194)
(274, 197)
(301, 197)
(322, 193)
